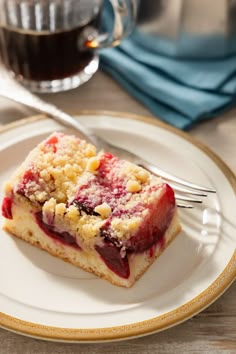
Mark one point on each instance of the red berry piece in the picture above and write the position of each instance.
(7, 208)
(52, 142)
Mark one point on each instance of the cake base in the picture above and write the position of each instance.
(24, 227)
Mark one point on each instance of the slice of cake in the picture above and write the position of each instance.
(105, 215)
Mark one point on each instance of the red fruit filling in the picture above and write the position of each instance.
(112, 190)
(63, 237)
(148, 237)
(155, 225)
(7, 208)
(112, 258)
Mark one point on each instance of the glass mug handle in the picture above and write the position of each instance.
(124, 12)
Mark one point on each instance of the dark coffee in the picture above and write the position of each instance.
(45, 55)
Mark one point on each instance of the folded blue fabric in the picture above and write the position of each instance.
(181, 92)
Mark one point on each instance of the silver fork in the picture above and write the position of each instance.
(186, 192)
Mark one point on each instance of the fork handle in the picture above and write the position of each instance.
(19, 94)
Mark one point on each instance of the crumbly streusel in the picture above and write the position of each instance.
(63, 170)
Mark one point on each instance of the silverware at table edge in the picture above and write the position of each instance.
(12, 90)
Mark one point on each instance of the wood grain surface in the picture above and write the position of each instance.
(214, 330)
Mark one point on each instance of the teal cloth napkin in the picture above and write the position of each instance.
(181, 92)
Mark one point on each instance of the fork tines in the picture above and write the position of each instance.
(180, 185)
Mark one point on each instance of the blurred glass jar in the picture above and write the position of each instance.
(188, 28)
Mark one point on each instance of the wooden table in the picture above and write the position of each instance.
(213, 330)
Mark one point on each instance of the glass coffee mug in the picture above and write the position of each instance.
(50, 45)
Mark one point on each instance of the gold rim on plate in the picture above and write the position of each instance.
(156, 324)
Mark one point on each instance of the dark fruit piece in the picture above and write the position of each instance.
(63, 237)
(85, 208)
(112, 258)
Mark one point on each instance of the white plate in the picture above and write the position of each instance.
(44, 297)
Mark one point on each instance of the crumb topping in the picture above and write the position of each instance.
(93, 164)
(103, 209)
(133, 186)
(84, 192)
(56, 165)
